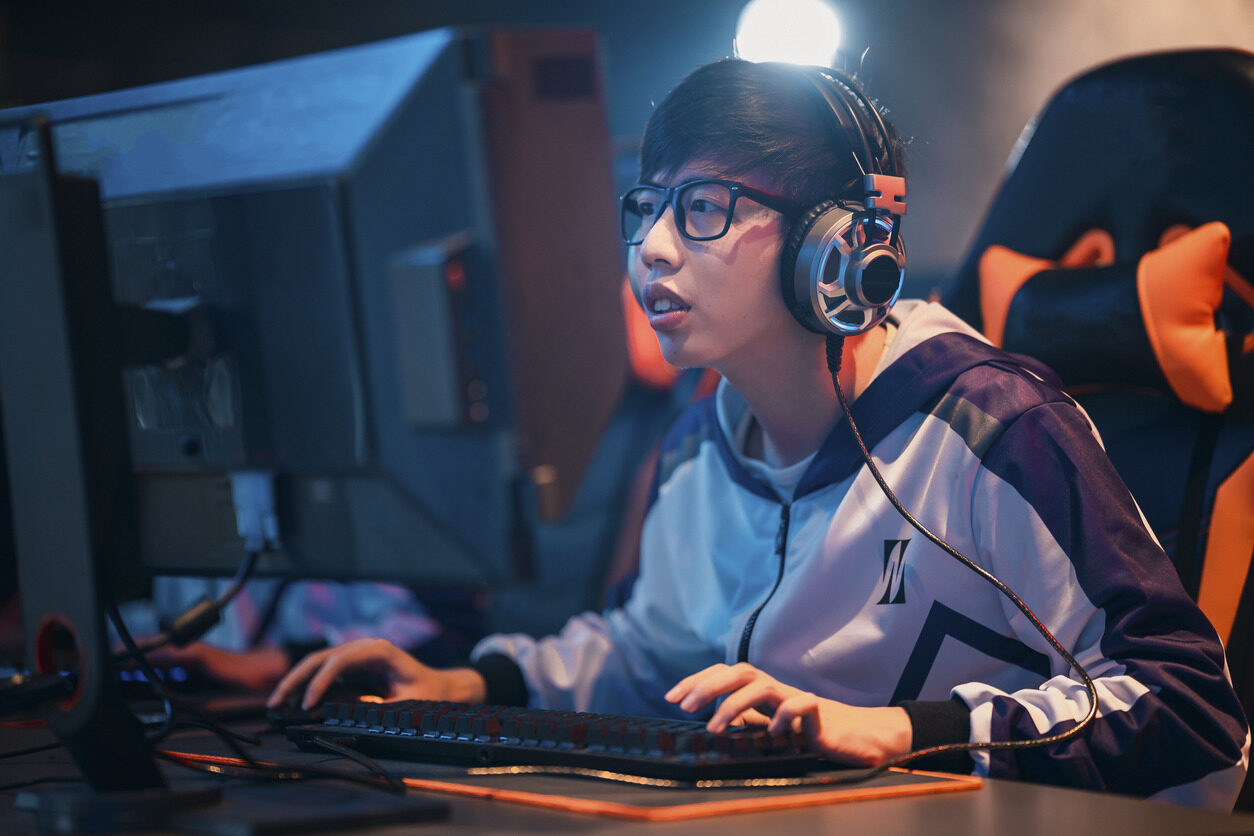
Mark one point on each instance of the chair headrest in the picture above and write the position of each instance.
(1132, 147)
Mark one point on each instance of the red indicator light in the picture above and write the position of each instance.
(455, 275)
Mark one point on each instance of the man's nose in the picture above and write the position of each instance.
(661, 242)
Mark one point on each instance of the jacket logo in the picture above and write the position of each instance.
(894, 572)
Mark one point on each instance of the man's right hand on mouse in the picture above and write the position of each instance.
(404, 677)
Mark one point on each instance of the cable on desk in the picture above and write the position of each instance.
(370, 763)
(244, 767)
(197, 723)
(851, 776)
(167, 722)
(168, 701)
(17, 753)
(232, 768)
(196, 719)
(669, 783)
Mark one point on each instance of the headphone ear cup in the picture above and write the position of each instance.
(799, 304)
(837, 276)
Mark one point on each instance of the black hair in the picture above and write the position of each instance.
(755, 117)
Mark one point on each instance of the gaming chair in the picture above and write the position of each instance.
(1119, 249)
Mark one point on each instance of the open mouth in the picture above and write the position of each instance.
(659, 300)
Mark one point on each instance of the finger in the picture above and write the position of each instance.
(683, 686)
(802, 707)
(718, 683)
(752, 717)
(763, 692)
(296, 677)
(357, 654)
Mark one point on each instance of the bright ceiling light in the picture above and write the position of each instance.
(796, 31)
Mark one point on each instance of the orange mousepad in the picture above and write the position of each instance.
(642, 802)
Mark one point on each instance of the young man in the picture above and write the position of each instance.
(775, 576)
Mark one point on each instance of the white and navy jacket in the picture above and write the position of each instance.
(833, 592)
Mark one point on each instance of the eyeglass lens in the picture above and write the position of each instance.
(703, 208)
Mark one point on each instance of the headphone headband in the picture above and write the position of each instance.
(844, 86)
(845, 117)
(843, 268)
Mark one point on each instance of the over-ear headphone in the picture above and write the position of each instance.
(844, 261)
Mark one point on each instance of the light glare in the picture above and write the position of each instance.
(795, 31)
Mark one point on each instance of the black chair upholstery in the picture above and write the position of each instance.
(1134, 147)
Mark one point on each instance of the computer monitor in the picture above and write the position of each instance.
(403, 261)
(381, 280)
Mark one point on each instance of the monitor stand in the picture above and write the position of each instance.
(68, 460)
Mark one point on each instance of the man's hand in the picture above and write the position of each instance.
(839, 732)
(252, 670)
(404, 677)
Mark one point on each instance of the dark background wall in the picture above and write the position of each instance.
(961, 77)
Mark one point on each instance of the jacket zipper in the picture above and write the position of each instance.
(781, 545)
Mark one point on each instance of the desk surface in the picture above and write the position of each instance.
(999, 807)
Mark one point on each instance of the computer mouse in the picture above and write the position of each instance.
(289, 713)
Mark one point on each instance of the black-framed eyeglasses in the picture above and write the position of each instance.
(703, 208)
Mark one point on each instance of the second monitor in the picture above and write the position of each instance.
(404, 264)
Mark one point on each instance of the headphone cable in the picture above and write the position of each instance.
(835, 345)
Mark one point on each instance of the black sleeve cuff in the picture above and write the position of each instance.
(504, 679)
(936, 723)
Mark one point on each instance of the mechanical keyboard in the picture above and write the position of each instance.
(493, 735)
